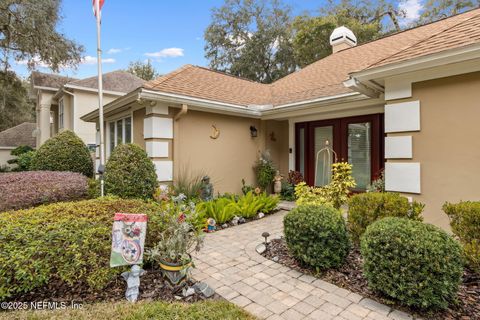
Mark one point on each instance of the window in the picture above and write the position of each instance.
(119, 131)
(61, 111)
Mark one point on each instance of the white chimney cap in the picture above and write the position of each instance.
(343, 35)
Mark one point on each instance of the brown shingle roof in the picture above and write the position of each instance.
(49, 80)
(465, 32)
(120, 81)
(325, 77)
(21, 135)
(208, 84)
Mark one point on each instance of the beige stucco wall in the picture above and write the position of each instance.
(448, 145)
(5, 155)
(276, 138)
(227, 159)
(85, 102)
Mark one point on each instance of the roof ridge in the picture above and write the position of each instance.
(231, 75)
(165, 77)
(18, 125)
(114, 71)
(414, 28)
(428, 37)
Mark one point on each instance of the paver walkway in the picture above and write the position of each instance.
(229, 263)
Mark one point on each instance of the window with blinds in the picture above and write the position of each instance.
(359, 153)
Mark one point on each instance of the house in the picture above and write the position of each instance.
(11, 138)
(61, 101)
(408, 103)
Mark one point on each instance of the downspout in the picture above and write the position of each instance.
(182, 112)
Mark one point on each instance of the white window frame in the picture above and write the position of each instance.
(61, 114)
(114, 121)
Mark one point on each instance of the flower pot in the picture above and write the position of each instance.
(175, 273)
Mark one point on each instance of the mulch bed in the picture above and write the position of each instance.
(350, 277)
(151, 288)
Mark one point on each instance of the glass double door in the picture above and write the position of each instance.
(357, 140)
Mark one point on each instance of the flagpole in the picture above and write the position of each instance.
(100, 97)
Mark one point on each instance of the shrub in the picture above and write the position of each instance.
(265, 171)
(366, 208)
(129, 173)
(93, 188)
(268, 202)
(189, 184)
(64, 152)
(24, 161)
(378, 184)
(67, 243)
(294, 177)
(221, 209)
(418, 264)
(465, 223)
(288, 192)
(317, 236)
(335, 193)
(21, 190)
(248, 205)
(23, 158)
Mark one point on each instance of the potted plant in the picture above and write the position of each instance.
(173, 251)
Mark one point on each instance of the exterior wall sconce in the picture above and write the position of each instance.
(253, 132)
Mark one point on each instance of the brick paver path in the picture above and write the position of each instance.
(229, 263)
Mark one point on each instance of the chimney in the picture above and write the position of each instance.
(342, 38)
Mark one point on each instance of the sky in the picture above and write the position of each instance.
(168, 32)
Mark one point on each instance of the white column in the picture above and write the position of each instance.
(158, 135)
(44, 123)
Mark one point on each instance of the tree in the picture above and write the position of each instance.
(311, 40)
(28, 33)
(15, 106)
(143, 70)
(437, 9)
(251, 39)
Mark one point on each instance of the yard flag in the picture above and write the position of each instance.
(100, 5)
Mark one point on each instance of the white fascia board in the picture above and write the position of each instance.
(204, 103)
(325, 100)
(45, 88)
(113, 93)
(119, 102)
(432, 60)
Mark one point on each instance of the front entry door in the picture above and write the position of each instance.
(357, 140)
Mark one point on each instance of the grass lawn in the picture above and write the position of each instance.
(141, 310)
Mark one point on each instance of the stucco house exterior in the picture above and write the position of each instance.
(408, 103)
(61, 101)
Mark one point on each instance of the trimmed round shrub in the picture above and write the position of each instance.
(21, 190)
(418, 264)
(129, 173)
(66, 243)
(317, 236)
(366, 208)
(465, 222)
(64, 152)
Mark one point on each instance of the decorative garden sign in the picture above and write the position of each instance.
(128, 239)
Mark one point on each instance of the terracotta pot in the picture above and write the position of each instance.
(175, 273)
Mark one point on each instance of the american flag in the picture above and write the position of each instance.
(100, 5)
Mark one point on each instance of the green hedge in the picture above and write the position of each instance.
(129, 173)
(418, 264)
(317, 236)
(63, 152)
(68, 242)
(366, 208)
(465, 222)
